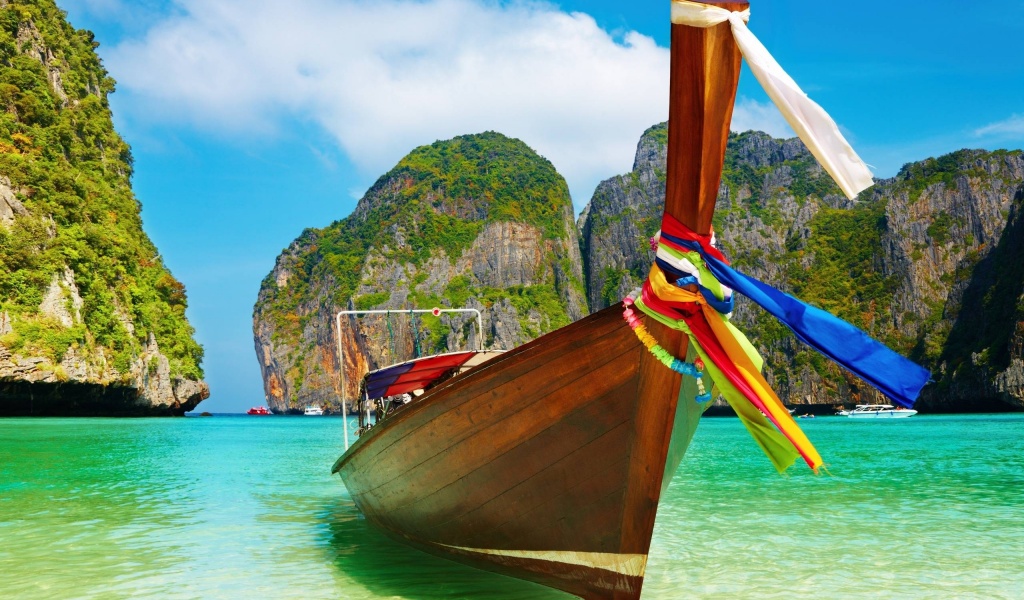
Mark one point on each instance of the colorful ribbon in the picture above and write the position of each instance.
(732, 362)
(892, 374)
(737, 371)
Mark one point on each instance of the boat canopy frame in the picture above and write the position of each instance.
(387, 389)
(436, 311)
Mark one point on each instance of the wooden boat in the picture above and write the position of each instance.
(547, 462)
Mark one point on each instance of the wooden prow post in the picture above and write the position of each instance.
(705, 72)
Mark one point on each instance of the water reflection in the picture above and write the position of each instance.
(387, 568)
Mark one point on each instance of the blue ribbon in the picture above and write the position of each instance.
(891, 373)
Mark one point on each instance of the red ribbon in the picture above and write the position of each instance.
(692, 314)
(674, 228)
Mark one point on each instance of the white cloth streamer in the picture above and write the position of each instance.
(810, 122)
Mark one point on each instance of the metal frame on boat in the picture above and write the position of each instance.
(341, 347)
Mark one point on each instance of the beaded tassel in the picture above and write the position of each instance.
(694, 369)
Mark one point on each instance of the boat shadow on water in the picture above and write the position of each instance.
(388, 568)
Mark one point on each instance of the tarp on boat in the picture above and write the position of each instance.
(417, 374)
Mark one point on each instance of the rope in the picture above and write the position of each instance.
(694, 369)
(391, 335)
(416, 332)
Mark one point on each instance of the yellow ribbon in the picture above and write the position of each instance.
(743, 356)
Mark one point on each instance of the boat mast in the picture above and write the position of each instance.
(705, 71)
(702, 84)
(702, 89)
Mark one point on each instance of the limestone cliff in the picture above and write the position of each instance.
(479, 221)
(928, 262)
(91, 322)
(620, 218)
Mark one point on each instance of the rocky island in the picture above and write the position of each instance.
(479, 221)
(91, 321)
(930, 261)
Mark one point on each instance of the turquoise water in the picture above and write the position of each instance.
(244, 507)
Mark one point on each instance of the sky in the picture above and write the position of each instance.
(251, 120)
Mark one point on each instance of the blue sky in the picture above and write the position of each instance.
(250, 120)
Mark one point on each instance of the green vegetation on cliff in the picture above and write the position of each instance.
(440, 197)
(843, 279)
(803, 180)
(842, 265)
(70, 171)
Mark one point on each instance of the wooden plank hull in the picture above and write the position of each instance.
(545, 463)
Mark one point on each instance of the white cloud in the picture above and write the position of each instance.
(1010, 127)
(386, 76)
(761, 116)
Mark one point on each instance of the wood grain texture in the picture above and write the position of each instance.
(537, 461)
(702, 88)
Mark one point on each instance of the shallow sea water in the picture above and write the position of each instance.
(245, 507)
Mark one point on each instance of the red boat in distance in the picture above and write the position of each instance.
(258, 410)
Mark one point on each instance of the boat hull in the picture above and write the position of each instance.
(545, 463)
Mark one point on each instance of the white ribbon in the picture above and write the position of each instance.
(683, 264)
(810, 122)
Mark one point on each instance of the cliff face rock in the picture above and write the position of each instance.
(977, 344)
(479, 221)
(616, 224)
(929, 262)
(91, 322)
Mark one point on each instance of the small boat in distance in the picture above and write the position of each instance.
(258, 410)
(878, 411)
(315, 411)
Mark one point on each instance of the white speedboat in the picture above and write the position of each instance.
(878, 411)
(315, 411)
